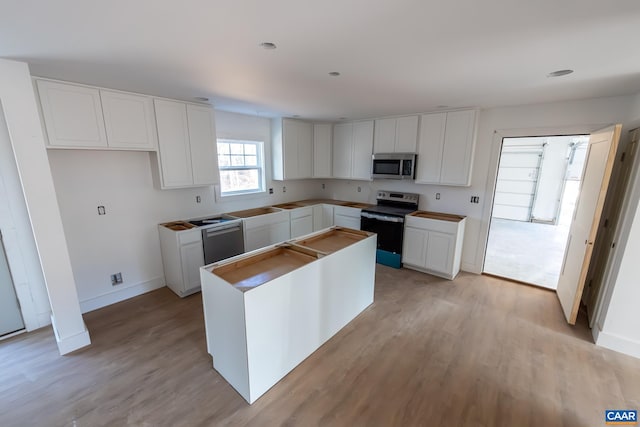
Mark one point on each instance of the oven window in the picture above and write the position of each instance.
(386, 167)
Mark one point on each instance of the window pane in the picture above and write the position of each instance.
(223, 148)
(224, 161)
(240, 180)
(251, 160)
(237, 161)
(250, 149)
(237, 148)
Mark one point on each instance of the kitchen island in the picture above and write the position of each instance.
(267, 310)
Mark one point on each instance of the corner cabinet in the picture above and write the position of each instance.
(292, 149)
(182, 257)
(85, 117)
(433, 243)
(445, 148)
(396, 135)
(187, 153)
(352, 149)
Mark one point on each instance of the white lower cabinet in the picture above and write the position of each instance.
(433, 243)
(301, 221)
(182, 257)
(346, 217)
(265, 230)
(327, 216)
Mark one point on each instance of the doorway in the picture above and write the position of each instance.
(10, 316)
(535, 194)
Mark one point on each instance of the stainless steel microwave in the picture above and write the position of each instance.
(394, 165)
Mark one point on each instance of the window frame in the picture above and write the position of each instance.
(260, 166)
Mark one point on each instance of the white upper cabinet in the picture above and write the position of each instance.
(362, 150)
(445, 148)
(72, 115)
(173, 143)
(186, 144)
(396, 135)
(203, 144)
(129, 120)
(292, 149)
(342, 148)
(352, 149)
(77, 116)
(322, 150)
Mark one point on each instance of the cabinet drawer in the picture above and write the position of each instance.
(432, 224)
(301, 212)
(347, 211)
(190, 236)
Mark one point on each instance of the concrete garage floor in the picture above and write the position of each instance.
(531, 252)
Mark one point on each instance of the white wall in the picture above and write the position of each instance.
(20, 245)
(126, 238)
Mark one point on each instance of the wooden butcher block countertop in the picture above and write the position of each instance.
(437, 215)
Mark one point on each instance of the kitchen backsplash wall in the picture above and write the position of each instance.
(126, 238)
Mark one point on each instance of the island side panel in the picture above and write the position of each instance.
(224, 318)
(282, 326)
(348, 278)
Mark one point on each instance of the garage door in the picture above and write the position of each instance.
(517, 183)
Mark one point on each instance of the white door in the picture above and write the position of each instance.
(10, 317)
(413, 246)
(593, 190)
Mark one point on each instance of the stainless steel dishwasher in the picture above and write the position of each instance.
(221, 238)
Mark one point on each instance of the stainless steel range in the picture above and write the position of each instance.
(386, 219)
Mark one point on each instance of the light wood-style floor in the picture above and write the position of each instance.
(474, 352)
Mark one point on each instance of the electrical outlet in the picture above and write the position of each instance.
(437, 196)
(271, 191)
(198, 199)
(323, 185)
(475, 199)
(284, 189)
(116, 279)
(101, 210)
(359, 189)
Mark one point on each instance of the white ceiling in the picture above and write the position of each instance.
(395, 56)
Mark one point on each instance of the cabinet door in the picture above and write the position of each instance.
(257, 237)
(203, 145)
(290, 148)
(72, 115)
(173, 143)
(301, 226)
(414, 246)
(342, 150)
(362, 150)
(439, 255)
(384, 136)
(279, 232)
(459, 140)
(430, 144)
(192, 258)
(322, 150)
(406, 134)
(305, 150)
(327, 216)
(129, 120)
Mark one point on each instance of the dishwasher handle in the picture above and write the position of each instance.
(217, 231)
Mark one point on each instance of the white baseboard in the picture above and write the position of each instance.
(121, 294)
(616, 343)
(72, 343)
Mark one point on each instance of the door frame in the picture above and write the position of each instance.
(492, 173)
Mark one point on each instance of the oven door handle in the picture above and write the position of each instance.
(384, 218)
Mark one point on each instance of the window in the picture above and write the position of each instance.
(241, 167)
